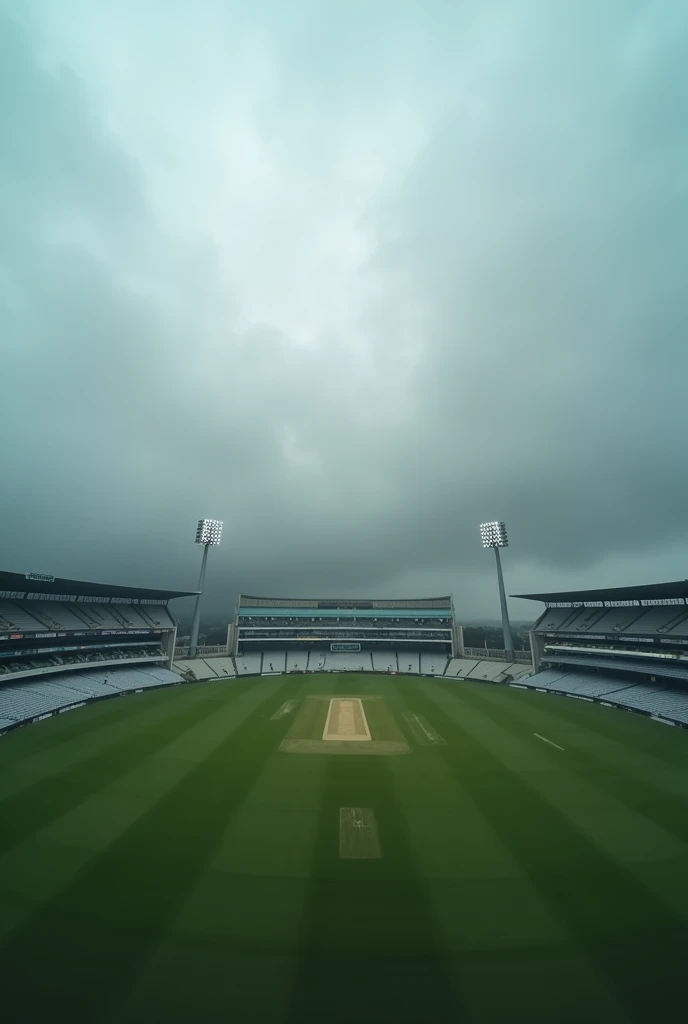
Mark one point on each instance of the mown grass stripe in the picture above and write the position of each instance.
(93, 938)
(47, 799)
(642, 743)
(613, 723)
(626, 836)
(369, 948)
(93, 728)
(627, 935)
(655, 795)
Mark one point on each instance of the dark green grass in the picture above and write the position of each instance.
(371, 915)
(161, 859)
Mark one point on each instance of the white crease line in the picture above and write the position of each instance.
(545, 740)
(427, 733)
(434, 737)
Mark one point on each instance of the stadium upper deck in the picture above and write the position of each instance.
(640, 630)
(261, 623)
(50, 625)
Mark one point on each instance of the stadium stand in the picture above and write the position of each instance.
(36, 616)
(249, 664)
(28, 701)
(460, 668)
(67, 641)
(224, 667)
(55, 615)
(210, 671)
(496, 671)
(656, 700)
(585, 684)
(409, 661)
(91, 684)
(67, 662)
(640, 666)
(206, 668)
(316, 661)
(19, 617)
(385, 661)
(625, 646)
(343, 662)
(274, 661)
(406, 636)
(433, 664)
(329, 626)
(554, 618)
(403, 662)
(489, 670)
(296, 661)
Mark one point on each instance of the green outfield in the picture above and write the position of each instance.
(344, 848)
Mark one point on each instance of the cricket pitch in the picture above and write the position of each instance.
(346, 720)
(344, 725)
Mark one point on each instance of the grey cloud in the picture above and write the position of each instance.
(513, 345)
(546, 244)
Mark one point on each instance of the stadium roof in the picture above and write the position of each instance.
(251, 600)
(40, 583)
(644, 592)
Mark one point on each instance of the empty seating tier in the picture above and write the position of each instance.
(663, 700)
(385, 661)
(22, 701)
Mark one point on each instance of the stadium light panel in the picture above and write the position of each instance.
(209, 532)
(493, 535)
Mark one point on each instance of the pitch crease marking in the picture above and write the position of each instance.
(545, 740)
(358, 837)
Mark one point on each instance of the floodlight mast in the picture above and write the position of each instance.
(208, 533)
(493, 535)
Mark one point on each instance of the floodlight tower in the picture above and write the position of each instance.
(208, 533)
(493, 535)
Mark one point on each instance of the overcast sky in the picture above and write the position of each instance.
(351, 277)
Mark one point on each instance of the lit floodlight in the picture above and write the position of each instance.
(209, 531)
(493, 535)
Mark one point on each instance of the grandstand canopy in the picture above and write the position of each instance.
(344, 604)
(644, 592)
(39, 583)
(347, 613)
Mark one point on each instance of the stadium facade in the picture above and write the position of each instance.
(331, 626)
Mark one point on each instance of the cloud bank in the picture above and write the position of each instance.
(352, 279)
